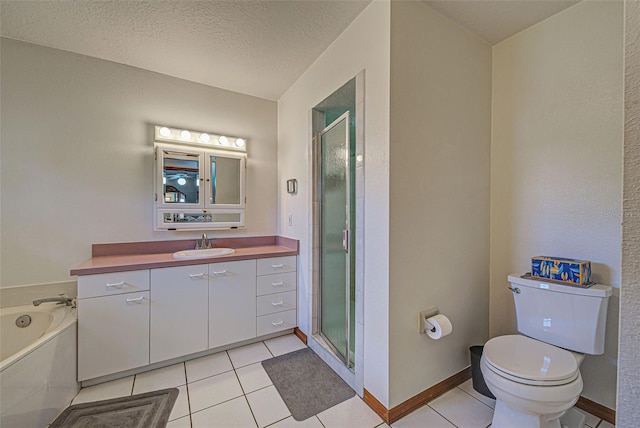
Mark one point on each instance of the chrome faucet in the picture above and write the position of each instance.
(62, 299)
(204, 244)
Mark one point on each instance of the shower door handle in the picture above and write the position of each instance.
(345, 240)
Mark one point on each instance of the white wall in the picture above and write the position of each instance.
(77, 155)
(628, 412)
(440, 142)
(556, 161)
(364, 45)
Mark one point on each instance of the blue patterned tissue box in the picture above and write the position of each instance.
(571, 271)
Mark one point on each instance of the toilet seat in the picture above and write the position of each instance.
(530, 362)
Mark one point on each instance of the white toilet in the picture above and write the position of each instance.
(535, 376)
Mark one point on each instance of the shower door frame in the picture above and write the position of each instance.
(346, 116)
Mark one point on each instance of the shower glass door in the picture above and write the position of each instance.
(334, 190)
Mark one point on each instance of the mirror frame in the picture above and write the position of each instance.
(203, 207)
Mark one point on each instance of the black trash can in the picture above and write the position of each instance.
(476, 372)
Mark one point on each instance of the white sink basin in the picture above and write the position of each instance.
(203, 254)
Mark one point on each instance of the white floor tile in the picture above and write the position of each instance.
(267, 406)
(181, 406)
(284, 344)
(592, 420)
(312, 422)
(253, 377)
(208, 366)
(213, 390)
(462, 409)
(352, 413)
(166, 377)
(249, 354)
(605, 424)
(104, 391)
(425, 416)
(180, 423)
(468, 388)
(230, 414)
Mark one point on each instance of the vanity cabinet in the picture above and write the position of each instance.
(179, 311)
(128, 320)
(113, 332)
(232, 309)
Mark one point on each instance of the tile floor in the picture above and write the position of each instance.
(231, 389)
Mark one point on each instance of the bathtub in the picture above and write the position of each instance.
(38, 364)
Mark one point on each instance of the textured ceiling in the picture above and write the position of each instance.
(258, 48)
(496, 20)
(255, 47)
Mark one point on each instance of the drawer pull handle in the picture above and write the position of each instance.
(222, 272)
(115, 284)
(276, 323)
(280, 303)
(277, 284)
(196, 275)
(137, 300)
(280, 266)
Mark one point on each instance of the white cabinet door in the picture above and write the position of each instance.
(232, 302)
(113, 334)
(179, 311)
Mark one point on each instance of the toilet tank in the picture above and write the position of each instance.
(570, 317)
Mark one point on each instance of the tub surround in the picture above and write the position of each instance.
(121, 257)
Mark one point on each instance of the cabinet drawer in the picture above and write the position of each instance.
(278, 283)
(276, 322)
(107, 284)
(273, 303)
(276, 265)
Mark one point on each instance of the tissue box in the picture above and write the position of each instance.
(570, 271)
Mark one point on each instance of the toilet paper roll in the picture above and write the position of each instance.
(442, 326)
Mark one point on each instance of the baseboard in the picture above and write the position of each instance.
(300, 334)
(596, 409)
(392, 415)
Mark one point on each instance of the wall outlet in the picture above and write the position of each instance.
(290, 219)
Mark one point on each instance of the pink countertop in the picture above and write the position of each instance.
(135, 256)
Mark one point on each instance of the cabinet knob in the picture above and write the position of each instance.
(222, 272)
(196, 275)
(280, 266)
(280, 303)
(275, 323)
(137, 300)
(277, 284)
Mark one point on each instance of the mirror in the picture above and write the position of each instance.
(181, 178)
(225, 180)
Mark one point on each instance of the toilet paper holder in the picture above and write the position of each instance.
(423, 324)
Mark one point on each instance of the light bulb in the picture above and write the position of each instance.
(165, 132)
(223, 141)
(239, 142)
(205, 138)
(182, 181)
(185, 135)
(164, 180)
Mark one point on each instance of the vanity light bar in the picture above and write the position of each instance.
(184, 136)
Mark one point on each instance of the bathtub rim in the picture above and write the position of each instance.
(69, 318)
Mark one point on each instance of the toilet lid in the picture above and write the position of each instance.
(530, 361)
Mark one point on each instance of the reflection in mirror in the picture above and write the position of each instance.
(201, 217)
(225, 180)
(181, 179)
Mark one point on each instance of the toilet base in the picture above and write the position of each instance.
(507, 417)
